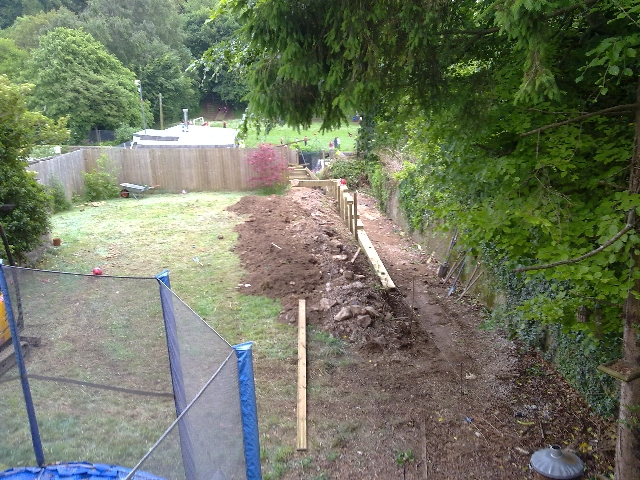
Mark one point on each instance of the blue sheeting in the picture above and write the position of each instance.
(249, 410)
(74, 471)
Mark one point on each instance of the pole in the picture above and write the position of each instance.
(177, 378)
(26, 390)
(16, 284)
(144, 123)
(161, 119)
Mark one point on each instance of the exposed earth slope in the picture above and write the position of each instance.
(418, 392)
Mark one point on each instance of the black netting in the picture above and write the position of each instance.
(100, 376)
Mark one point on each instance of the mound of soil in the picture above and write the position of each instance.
(426, 393)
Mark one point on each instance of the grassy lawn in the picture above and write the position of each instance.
(317, 140)
(190, 235)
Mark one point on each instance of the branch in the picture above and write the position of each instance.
(627, 227)
(555, 13)
(612, 185)
(619, 108)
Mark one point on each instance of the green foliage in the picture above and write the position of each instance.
(12, 9)
(214, 42)
(379, 181)
(102, 182)
(124, 133)
(13, 60)
(27, 29)
(353, 170)
(147, 36)
(164, 74)
(59, 196)
(575, 348)
(576, 356)
(29, 220)
(404, 457)
(135, 31)
(77, 78)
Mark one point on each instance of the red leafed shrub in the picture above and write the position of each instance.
(269, 166)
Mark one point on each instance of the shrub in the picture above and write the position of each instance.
(29, 220)
(354, 171)
(269, 167)
(124, 134)
(102, 182)
(58, 195)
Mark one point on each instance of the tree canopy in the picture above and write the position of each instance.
(78, 78)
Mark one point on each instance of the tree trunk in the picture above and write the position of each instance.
(628, 446)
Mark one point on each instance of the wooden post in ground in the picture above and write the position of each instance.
(355, 215)
(350, 213)
(301, 443)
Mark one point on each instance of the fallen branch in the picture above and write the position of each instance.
(580, 258)
(620, 108)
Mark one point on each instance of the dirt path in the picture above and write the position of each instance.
(416, 393)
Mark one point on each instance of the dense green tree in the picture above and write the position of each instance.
(76, 77)
(147, 37)
(213, 38)
(19, 130)
(27, 29)
(136, 31)
(12, 9)
(162, 75)
(13, 60)
(523, 117)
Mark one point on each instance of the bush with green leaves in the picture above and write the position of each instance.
(29, 219)
(353, 170)
(102, 182)
(58, 195)
(124, 133)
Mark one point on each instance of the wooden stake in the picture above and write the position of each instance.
(302, 376)
(356, 255)
(355, 215)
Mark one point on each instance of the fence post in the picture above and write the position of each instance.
(355, 214)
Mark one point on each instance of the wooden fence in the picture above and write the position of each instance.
(169, 169)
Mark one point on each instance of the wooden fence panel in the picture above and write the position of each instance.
(66, 168)
(172, 169)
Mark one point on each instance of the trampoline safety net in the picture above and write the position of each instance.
(120, 371)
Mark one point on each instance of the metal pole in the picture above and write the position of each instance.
(161, 119)
(144, 123)
(26, 390)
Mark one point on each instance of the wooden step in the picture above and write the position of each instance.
(8, 358)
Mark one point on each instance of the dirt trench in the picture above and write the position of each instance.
(425, 392)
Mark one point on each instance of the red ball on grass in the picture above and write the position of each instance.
(97, 271)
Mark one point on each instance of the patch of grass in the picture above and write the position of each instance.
(345, 433)
(317, 140)
(192, 236)
(326, 344)
(277, 460)
(333, 455)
